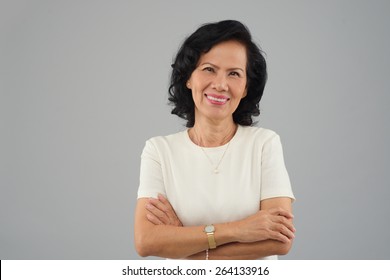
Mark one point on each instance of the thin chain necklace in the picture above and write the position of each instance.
(216, 167)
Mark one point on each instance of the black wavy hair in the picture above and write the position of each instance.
(200, 42)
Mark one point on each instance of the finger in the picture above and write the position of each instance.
(162, 209)
(169, 210)
(167, 205)
(166, 212)
(275, 235)
(285, 231)
(153, 219)
(281, 212)
(162, 198)
(155, 211)
(158, 204)
(162, 204)
(284, 221)
(160, 215)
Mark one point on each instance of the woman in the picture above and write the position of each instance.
(218, 190)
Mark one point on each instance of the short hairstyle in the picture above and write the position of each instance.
(200, 42)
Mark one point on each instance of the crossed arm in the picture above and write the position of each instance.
(159, 232)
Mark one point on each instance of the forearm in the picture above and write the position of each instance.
(169, 242)
(245, 251)
(164, 238)
(172, 241)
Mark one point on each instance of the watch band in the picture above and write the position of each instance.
(211, 239)
(209, 230)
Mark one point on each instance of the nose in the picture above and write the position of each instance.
(220, 84)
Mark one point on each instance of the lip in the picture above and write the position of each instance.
(216, 99)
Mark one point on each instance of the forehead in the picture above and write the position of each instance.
(230, 54)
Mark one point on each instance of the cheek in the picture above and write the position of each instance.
(240, 90)
(201, 80)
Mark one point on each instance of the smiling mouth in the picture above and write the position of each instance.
(220, 100)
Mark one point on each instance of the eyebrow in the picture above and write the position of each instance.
(230, 69)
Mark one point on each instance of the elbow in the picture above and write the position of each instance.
(146, 245)
(142, 250)
(283, 248)
(143, 246)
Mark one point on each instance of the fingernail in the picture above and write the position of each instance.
(148, 206)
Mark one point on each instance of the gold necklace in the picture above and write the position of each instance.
(216, 167)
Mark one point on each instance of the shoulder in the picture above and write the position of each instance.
(173, 138)
(163, 144)
(257, 134)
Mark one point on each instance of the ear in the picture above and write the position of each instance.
(188, 84)
(245, 93)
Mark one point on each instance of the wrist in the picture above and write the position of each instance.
(226, 233)
(210, 231)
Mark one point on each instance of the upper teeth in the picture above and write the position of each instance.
(216, 99)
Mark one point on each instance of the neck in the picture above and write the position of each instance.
(211, 133)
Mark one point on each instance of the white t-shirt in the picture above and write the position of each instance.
(252, 169)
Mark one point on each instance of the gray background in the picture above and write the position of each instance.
(84, 84)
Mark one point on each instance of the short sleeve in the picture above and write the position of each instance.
(275, 181)
(151, 179)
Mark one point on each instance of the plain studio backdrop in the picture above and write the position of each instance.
(84, 85)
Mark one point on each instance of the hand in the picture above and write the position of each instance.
(161, 212)
(274, 223)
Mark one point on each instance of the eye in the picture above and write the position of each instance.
(208, 69)
(234, 73)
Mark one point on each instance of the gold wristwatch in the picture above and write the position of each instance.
(209, 230)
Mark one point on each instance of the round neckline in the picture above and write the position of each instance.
(187, 136)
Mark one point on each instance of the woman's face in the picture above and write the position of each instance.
(218, 83)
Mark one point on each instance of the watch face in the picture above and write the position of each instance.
(209, 228)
